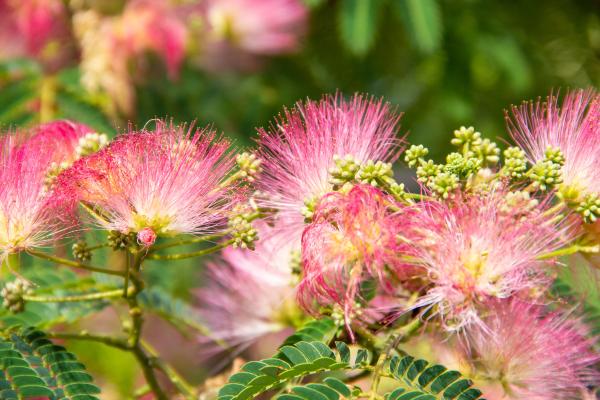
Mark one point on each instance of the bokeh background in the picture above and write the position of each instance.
(114, 64)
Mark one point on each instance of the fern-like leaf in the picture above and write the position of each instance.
(31, 366)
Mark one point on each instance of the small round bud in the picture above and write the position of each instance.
(81, 251)
(487, 152)
(460, 165)
(546, 174)
(146, 237)
(427, 171)
(12, 295)
(249, 165)
(443, 184)
(555, 155)
(309, 208)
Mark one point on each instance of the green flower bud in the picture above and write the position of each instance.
(415, 155)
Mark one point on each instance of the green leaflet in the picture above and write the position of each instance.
(422, 21)
(417, 378)
(33, 366)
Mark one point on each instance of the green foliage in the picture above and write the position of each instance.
(294, 362)
(21, 87)
(321, 330)
(358, 24)
(430, 381)
(423, 23)
(53, 282)
(31, 366)
(416, 377)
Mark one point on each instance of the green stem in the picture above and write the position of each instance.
(182, 242)
(199, 253)
(566, 251)
(47, 98)
(396, 337)
(74, 264)
(107, 340)
(178, 381)
(82, 297)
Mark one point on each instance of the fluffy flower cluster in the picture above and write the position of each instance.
(31, 214)
(161, 182)
(474, 253)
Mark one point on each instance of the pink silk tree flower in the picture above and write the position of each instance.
(234, 34)
(151, 25)
(480, 247)
(60, 138)
(352, 239)
(30, 215)
(573, 127)
(526, 352)
(29, 27)
(250, 293)
(299, 149)
(160, 182)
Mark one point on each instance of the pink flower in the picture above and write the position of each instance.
(30, 215)
(59, 138)
(532, 354)
(165, 181)
(352, 239)
(151, 25)
(574, 128)
(250, 293)
(234, 32)
(299, 149)
(480, 247)
(27, 27)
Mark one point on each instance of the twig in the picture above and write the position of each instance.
(74, 298)
(199, 253)
(74, 264)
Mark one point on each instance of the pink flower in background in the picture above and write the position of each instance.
(573, 127)
(30, 215)
(250, 293)
(151, 25)
(532, 354)
(234, 32)
(60, 138)
(299, 149)
(480, 247)
(27, 27)
(352, 239)
(166, 181)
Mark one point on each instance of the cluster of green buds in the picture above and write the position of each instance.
(52, 173)
(515, 163)
(13, 295)
(91, 143)
(344, 171)
(308, 210)
(339, 317)
(347, 171)
(120, 241)
(81, 251)
(249, 166)
(589, 208)
(546, 174)
(242, 232)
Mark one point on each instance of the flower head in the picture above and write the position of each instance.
(30, 214)
(234, 32)
(300, 148)
(250, 293)
(160, 182)
(352, 239)
(573, 128)
(528, 353)
(480, 247)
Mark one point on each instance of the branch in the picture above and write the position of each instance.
(74, 298)
(199, 253)
(73, 264)
(107, 340)
(178, 381)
